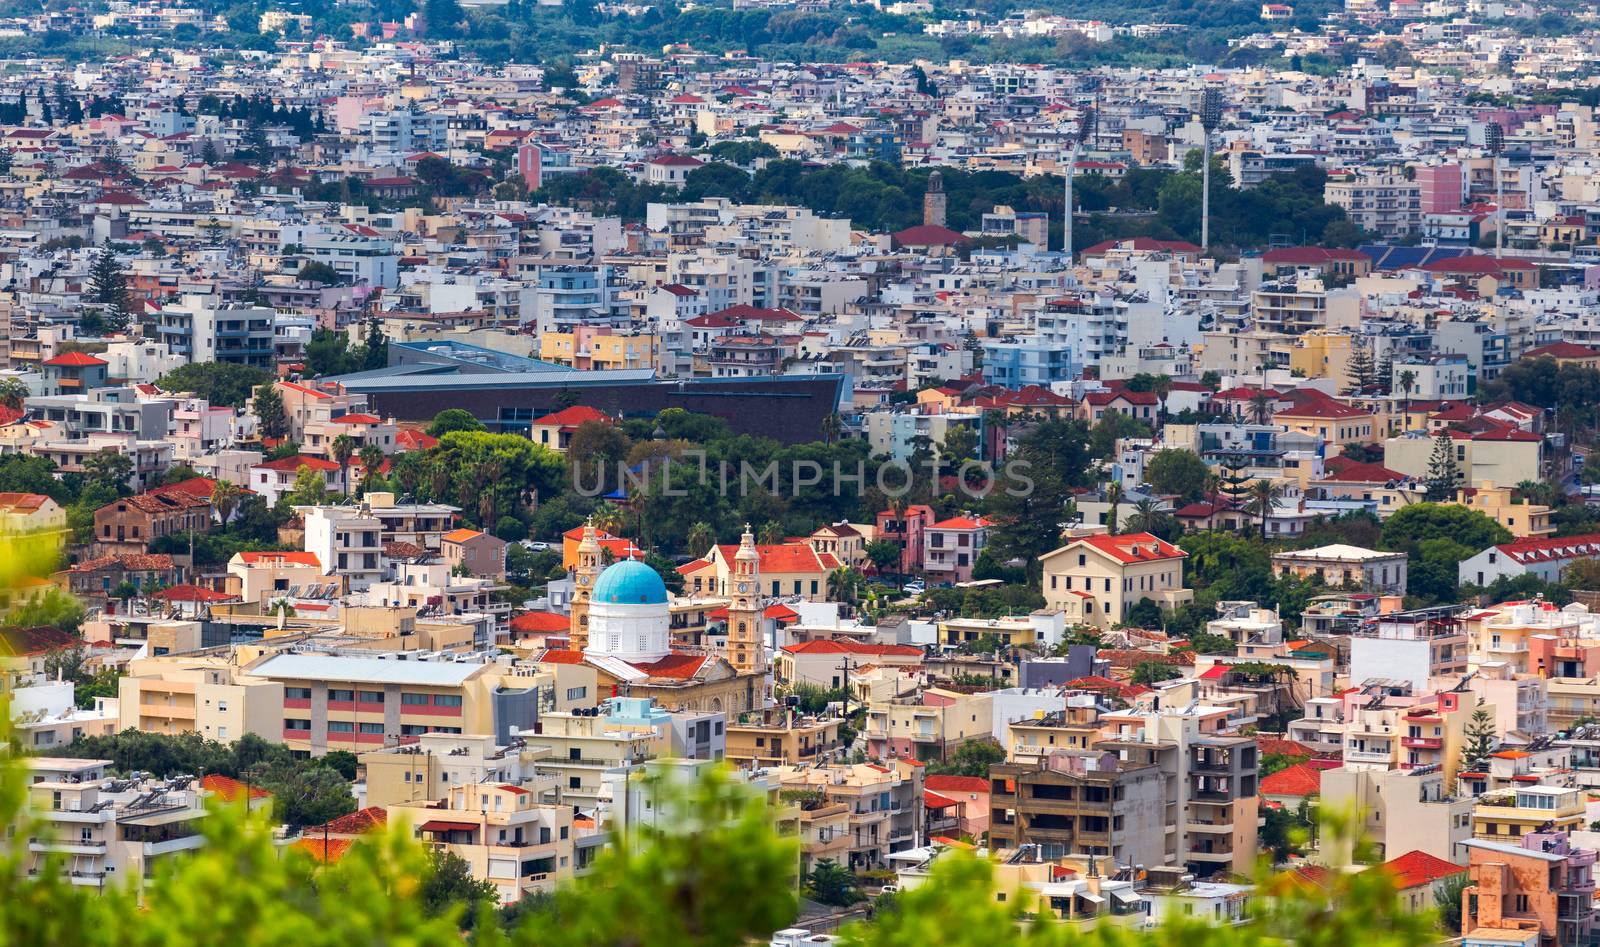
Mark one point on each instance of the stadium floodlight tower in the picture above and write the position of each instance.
(1210, 118)
(1494, 138)
(1083, 136)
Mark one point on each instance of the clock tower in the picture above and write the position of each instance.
(746, 651)
(588, 570)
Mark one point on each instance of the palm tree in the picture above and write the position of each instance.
(1162, 388)
(1408, 381)
(1147, 518)
(700, 538)
(1264, 497)
(844, 585)
(831, 426)
(343, 448)
(770, 533)
(225, 499)
(1259, 404)
(608, 518)
(1113, 497)
(371, 459)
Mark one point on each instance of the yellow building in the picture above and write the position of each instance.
(1097, 580)
(600, 352)
(1072, 728)
(1521, 518)
(779, 739)
(1321, 355)
(1507, 815)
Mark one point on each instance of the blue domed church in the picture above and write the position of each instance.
(621, 623)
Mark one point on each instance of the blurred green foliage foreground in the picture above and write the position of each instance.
(721, 877)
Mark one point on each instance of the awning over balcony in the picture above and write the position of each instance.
(437, 825)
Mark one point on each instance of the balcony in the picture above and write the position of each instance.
(64, 847)
(187, 843)
(167, 711)
(1209, 827)
(1422, 743)
(1368, 756)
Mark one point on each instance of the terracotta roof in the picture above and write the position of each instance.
(75, 360)
(674, 666)
(1296, 780)
(1417, 868)
(293, 464)
(837, 646)
(529, 623)
(24, 642)
(572, 417)
(192, 593)
(1133, 547)
(927, 235)
(557, 656)
(1562, 350)
(279, 558)
(355, 823)
(785, 557)
(1527, 551)
(949, 784)
(230, 789)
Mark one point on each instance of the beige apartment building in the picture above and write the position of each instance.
(206, 694)
(883, 810)
(928, 726)
(774, 738)
(1491, 457)
(1097, 580)
(504, 833)
(424, 771)
(1402, 810)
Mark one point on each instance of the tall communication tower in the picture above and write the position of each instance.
(1210, 118)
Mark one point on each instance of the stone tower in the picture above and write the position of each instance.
(933, 201)
(588, 571)
(745, 650)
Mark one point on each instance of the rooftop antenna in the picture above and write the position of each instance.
(1084, 134)
(1210, 118)
(1494, 138)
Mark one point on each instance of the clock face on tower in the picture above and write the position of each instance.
(744, 586)
(583, 580)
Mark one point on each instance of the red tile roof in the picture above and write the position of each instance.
(293, 464)
(838, 646)
(230, 789)
(1296, 780)
(928, 235)
(572, 417)
(1134, 547)
(949, 784)
(1417, 868)
(674, 666)
(1527, 551)
(536, 623)
(1562, 350)
(75, 360)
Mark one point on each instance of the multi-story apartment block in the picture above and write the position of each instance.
(926, 727)
(505, 834)
(207, 329)
(1412, 646)
(1539, 888)
(883, 810)
(105, 830)
(1080, 802)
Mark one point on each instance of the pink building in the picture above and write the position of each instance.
(1442, 187)
(530, 165)
(909, 529)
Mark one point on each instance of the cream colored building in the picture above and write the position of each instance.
(1507, 815)
(927, 727)
(505, 834)
(1097, 580)
(425, 771)
(1493, 458)
(1401, 810)
(205, 694)
(267, 576)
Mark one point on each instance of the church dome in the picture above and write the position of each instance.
(630, 583)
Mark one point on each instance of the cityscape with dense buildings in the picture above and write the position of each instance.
(799, 471)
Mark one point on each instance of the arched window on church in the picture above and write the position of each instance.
(741, 628)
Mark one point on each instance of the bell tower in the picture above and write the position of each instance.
(745, 649)
(588, 570)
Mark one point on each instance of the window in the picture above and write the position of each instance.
(341, 726)
(412, 729)
(342, 695)
(296, 724)
(371, 697)
(577, 693)
(297, 693)
(447, 700)
(414, 699)
(372, 728)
